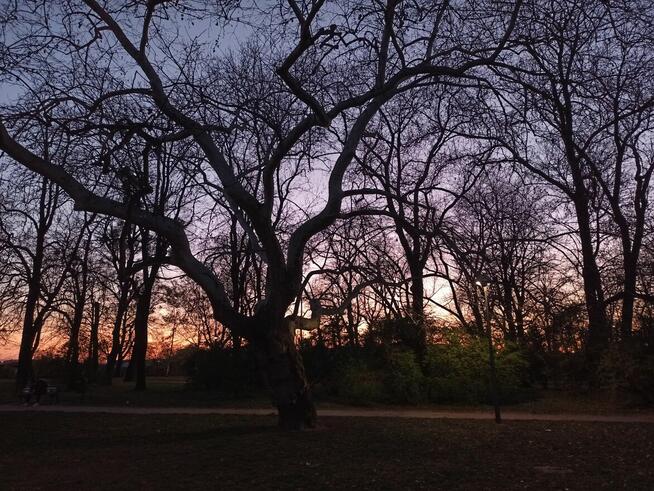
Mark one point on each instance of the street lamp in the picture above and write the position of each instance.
(484, 283)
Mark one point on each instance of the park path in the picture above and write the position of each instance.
(340, 412)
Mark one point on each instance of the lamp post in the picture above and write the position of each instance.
(484, 283)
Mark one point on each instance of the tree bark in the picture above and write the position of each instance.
(93, 360)
(598, 330)
(115, 337)
(140, 348)
(417, 307)
(129, 372)
(73, 343)
(629, 298)
(285, 377)
(25, 372)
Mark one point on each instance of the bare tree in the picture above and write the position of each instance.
(414, 174)
(574, 108)
(43, 243)
(76, 295)
(339, 67)
(121, 249)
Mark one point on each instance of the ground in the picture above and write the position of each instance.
(47, 450)
(117, 451)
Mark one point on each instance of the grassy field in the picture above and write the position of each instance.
(174, 392)
(100, 451)
(162, 391)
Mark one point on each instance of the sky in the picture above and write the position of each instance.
(9, 351)
(204, 29)
(230, 38)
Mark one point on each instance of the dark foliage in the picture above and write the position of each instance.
(229, 371)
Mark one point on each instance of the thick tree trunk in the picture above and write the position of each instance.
(81, 285)
(124, 262)
(25, 372)
(598, 329)
(283, 369)
(140, 348)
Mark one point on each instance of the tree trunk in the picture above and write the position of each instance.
(124, 261)
(140, 348)
(93, 360)
(115, 337)
(118, 367)
(73, 344)
(284, 374)
(129, 372)
(25, 372)
(598, 329)
(630, 277)
(237, 343)
(351, 327)
(417, 307)
(507, 307)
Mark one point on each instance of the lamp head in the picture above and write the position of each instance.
(482, 281)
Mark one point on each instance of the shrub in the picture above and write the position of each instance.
(358, 384)
(454, 372)
(513, 373)
(50, 365)
(319, 361)
(404, 380)
(6, 371)
(628, 370)
(459, 372)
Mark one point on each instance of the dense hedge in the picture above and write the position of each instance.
(456, 372)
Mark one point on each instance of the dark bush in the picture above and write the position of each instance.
(455, 372)
(628, 370)
(7, 371)
(225, 370)
(459, 372)
(357, 383)
(50, 366)
(404, 380)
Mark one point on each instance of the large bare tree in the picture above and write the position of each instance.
(114, 78)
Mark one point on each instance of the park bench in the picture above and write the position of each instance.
(38, 390)
(52, 391)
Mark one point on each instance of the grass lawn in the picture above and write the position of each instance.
(162, 391)
(174, 392)
(82, 451)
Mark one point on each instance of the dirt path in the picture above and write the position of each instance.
(342, 412)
